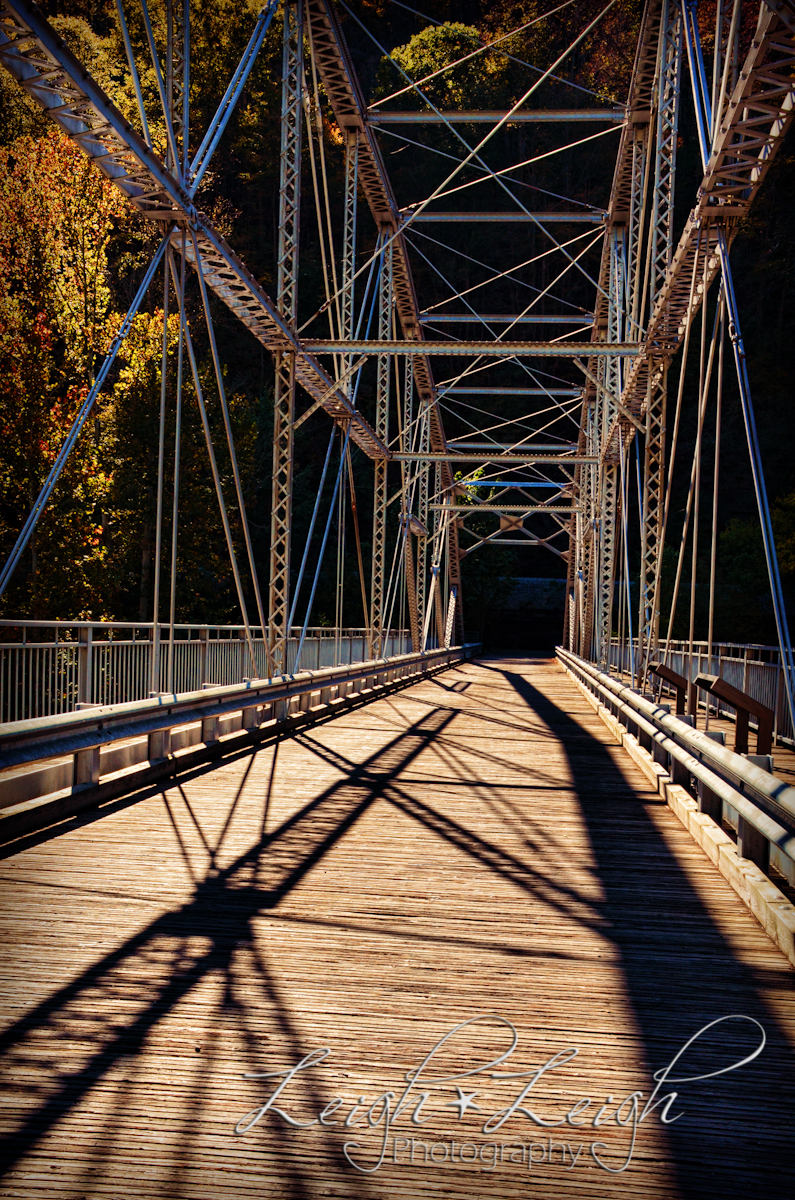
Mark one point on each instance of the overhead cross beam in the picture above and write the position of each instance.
(344, 93)
(492, 116)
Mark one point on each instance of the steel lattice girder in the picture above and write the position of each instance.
(765, 91)
(45, 67)
(287, 299)
(494, 349)
(342, 88)
(380, 480)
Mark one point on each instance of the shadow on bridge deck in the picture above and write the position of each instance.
(470, 850)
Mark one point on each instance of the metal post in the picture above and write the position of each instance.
(281, 507)
(424, 469)
(611, 378)
(349, 239)
(85, 664)
(653, 506)
(287, 289)
(668, 90)
(669, 75)
(379, 486)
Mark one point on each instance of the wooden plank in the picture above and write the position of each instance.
(474, 845)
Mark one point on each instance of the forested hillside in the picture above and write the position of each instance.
(72, 252)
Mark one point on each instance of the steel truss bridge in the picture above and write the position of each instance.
(534, 837)
(558, 463)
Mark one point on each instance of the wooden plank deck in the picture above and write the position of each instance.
(472, 849)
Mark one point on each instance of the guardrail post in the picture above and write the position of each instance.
(85, 663)
(159, 745)
(204, 639)
(679, 773)
(659, 755)
(86, 767)
(250, 717)
(708, 802)
(154, 676)
(751, 844)
(209, 729)
(241, 656)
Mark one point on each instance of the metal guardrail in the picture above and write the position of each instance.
(753, 796)
(51, 767)
(49, 667)
(751, 668)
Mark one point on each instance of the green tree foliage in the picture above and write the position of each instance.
(481, 81)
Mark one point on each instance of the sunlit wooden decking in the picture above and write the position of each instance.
(471, 849)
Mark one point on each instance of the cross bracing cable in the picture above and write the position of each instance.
(315, 510)
(125, 33)
(527, 162)
(532, 432)
(533, 187)
(80, 420)
(172, 141)
(507, 274)
(296, 665)
(480, 145)
(474, 153)
(241, 503)
(502, 336)
(452, 405)
(489, 46)
(216, 477)
(172, 601)
(154, 683)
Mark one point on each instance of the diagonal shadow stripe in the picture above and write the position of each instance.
(681, 972)
(220, 910)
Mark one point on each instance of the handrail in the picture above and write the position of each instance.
(52, 768)
(42, 738)
(767, 803)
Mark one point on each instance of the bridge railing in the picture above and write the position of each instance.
(754, 669)
(52, 767)
(731, 788)
(48, 668)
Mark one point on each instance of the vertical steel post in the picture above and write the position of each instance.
(610, 370)
(669, 75)
(287, 289)
(423, 469)
(637, 212)
(385, 301)
(587, 566)
(410, 573)
(349, 240)
(651, 530)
